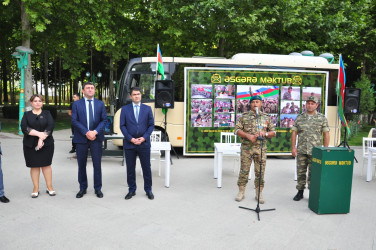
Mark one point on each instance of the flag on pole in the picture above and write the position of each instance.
(341, 84)
(160, 68)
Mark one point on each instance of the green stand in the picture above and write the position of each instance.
(331, 180)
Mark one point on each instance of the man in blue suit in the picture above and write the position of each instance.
(137, 124)
(2, 196)
(89, 118)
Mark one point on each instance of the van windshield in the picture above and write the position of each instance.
(143, 76)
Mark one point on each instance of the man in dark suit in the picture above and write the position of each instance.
(137, 124)
(89, 118)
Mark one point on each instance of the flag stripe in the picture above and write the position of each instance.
(341, 85)
(160, 68)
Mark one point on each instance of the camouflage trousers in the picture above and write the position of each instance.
(303, 162)
(249, 154)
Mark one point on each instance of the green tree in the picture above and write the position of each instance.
(367, 99)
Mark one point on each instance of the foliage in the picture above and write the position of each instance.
(108, 32)
(367, 98)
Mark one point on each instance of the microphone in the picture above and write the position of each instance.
(257, 111)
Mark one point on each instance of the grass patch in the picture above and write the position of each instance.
(357, 140)
(63, 121)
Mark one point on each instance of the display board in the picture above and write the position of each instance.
(215, 99)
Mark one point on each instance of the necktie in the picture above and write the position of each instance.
(136, 113)
(91, 116)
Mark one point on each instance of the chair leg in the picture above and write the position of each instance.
(159, 166)
(235, 165)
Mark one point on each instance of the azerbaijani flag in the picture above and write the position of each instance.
(243, 95)
(267, 92)
(160, 68)
(341, 84)
(263, 92)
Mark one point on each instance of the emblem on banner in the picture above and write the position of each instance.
(297, 80)
(216, 78)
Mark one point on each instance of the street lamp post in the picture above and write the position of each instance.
(99, 75)
(21, 55)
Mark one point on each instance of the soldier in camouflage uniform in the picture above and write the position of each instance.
(310, 126)
(251, 147)
(287, 95)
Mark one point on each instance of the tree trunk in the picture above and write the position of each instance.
(55, 78)
(60, 83)
(26, 43)
(221, 47)
(45, 72)
(111, 87)
(4, 80)
(35, 78)
(75, 87)
(12, 96)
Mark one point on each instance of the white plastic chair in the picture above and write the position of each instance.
(156, 136)
(229, 137)
(368, 143)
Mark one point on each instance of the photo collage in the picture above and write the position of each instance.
(217, 105)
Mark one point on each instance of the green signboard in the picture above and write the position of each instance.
(215, 98)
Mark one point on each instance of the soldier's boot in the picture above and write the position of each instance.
(240, 195)
(262, 201)
(299, 195)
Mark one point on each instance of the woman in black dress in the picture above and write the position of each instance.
(38, 144)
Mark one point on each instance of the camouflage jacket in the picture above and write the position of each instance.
(310, 129)
(248, 124)
(286, 96)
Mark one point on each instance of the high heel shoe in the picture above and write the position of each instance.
(34, 195)
(51, 193)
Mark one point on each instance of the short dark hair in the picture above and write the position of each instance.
(76, 94)
(36, 95)
(87, 83)
(135, 89)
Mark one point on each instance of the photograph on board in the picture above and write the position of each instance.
(224, 120)
(290, 107)
(201, 120)
(201, 91)
(201, 106)
(290, 93)
(225, 91)
(224, 106)
(287, 121)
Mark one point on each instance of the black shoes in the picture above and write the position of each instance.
(299, 195)
(72, 151)
(150, 195)
(130, 195)
(81, 193)
(99, 193)
(4, 199)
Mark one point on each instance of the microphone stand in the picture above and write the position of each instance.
(261, 139)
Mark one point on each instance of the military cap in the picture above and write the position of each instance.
(312, 98)
(255, 97)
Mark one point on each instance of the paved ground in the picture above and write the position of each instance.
(191, 214)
